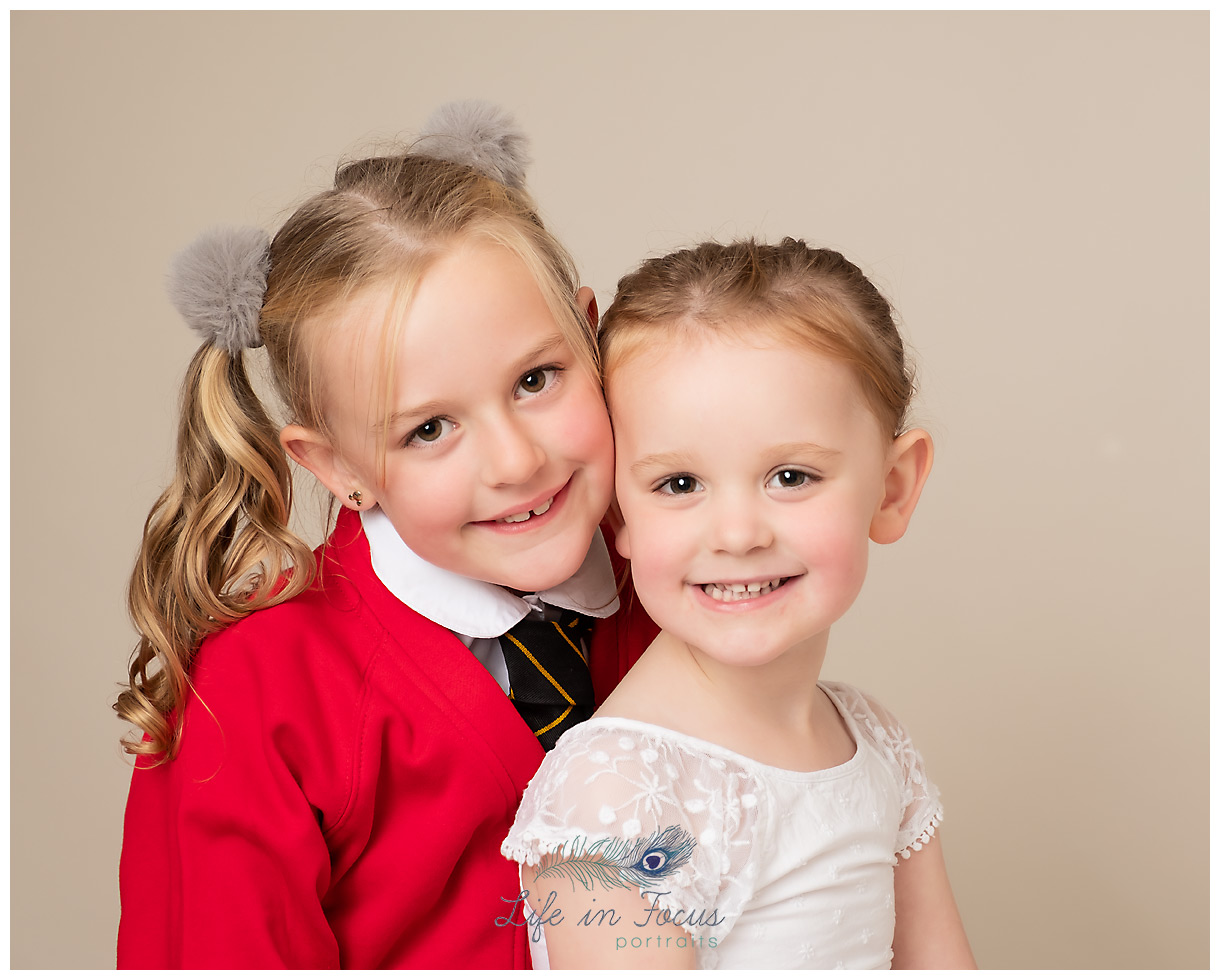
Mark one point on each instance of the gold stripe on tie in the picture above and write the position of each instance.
(542, 670)
(569, 640)
(547, 728)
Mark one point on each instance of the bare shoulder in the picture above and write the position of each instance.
(648, 693)
(635, 697)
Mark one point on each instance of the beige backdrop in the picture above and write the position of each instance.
(1031, 189)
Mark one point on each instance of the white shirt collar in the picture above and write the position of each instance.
(474, 608)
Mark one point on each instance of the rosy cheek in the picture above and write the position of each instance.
(651, 561)
(425, 500)
(585, 419)
(837, 547)
(586, 439)
(672, 553)
(849, 561)
(593, 436)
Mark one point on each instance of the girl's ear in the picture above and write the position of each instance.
(587, 301)
(907, 467)
(312, 450)
(614, 516)
(622, 541)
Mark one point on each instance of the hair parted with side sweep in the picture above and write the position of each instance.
(811, 297)
(217, 544)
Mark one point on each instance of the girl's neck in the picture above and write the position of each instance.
(774, 712)
(783, 690)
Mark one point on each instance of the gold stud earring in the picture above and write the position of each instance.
(355, 498)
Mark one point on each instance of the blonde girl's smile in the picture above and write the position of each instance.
(495, 457)
(530, 514)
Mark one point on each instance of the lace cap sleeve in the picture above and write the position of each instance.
(921, 806)
(678, 824)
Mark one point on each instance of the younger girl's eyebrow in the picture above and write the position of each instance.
(784, 451)
(662, 461)
(802, 449)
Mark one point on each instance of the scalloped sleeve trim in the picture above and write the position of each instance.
(524, 846)
(924, 836)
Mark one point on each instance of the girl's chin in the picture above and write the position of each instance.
(558, 564)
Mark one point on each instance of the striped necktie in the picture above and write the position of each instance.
(548, 675)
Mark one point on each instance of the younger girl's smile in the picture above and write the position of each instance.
(741, 592)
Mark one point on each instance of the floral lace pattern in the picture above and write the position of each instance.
(788, 854)
(922, 812)
(611, 779)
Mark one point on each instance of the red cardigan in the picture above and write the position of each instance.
(346, 775)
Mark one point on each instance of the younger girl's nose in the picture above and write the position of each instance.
(738, 526)
(511, 455)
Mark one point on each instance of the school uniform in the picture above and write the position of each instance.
(347, 771)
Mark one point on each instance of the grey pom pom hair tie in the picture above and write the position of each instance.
(482, 136)
(218, 282)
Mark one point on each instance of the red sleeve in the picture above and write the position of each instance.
(224, 862)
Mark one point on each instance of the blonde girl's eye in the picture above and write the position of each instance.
(679, 485)
(431, 431)
(790, 479)
(537, 381)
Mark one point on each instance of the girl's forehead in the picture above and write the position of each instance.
(701, 373)
(682, 348)
(468, 322)
(462, 291)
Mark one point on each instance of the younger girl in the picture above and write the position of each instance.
(757, 816)
(330, 758)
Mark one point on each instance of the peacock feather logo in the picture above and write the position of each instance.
(617, 863)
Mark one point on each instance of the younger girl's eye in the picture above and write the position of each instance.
(788, 479)
(674, 486)
(536, 381)
(431, 431)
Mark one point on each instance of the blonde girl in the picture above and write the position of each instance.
(330, 751)
(727, 808)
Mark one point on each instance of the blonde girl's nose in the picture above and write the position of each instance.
(511, 453)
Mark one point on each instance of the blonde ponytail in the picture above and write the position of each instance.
(215, 545)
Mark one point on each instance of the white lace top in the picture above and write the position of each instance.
(795, 868)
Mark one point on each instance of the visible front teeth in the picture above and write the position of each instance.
(525, 515)
(736, 591)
